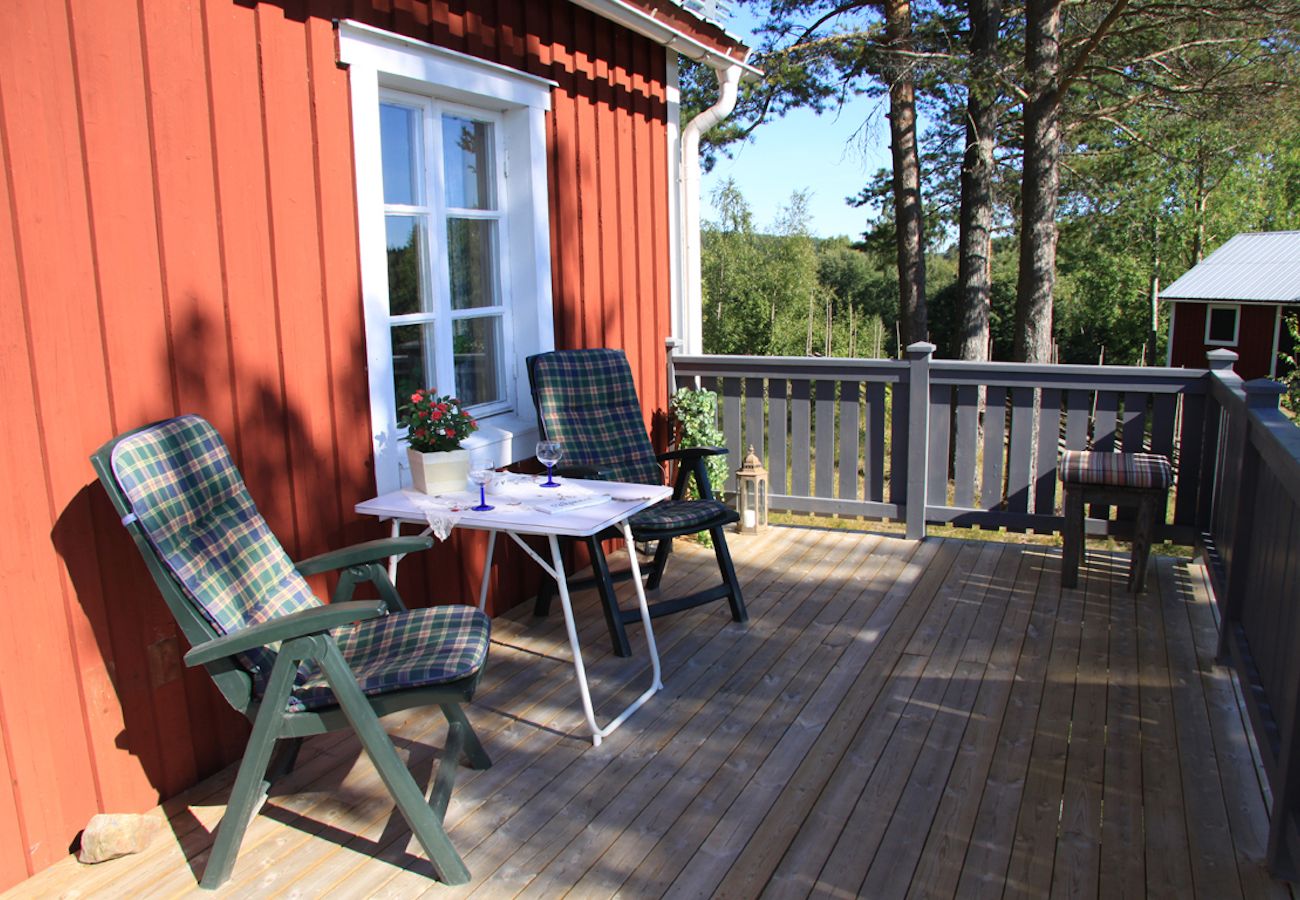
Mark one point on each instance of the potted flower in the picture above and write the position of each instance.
(435, 426)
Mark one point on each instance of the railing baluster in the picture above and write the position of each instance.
(995, 432)
(966, 445)
(755, 435)
(731, 428)
(778, 390)
(850, 428)
(873, 451)
(1020, 449)
(1135, 422)
(825, 438)
(940, 425)
(1049, 440)
(800, 437)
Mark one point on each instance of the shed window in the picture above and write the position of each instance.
(1221, 325)
(450, 155)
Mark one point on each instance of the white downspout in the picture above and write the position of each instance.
(692, 296)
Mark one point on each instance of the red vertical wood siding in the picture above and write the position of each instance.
(1254, 338)
(178, 233)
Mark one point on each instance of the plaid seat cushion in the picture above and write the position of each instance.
(192, 504)
(587, 401)
(1138, 470)
(683, 516)
(412, 649)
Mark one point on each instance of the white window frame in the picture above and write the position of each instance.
(1236, 323)
(378, 62)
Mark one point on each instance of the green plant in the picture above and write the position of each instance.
(435, 423)
(696, 412)
(1290, 375)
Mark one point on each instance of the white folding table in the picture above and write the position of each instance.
(515, 515)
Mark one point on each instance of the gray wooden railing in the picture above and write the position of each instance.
(929, 441)
(939, 441)
(1251, 533)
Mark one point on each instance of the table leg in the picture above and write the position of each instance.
(396, 531)
(561, 582)
(487, 570)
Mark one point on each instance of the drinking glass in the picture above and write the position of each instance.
(548, 454)
(480, 472)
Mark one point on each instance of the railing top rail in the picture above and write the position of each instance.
(949, 372)
(1114, 378)
(810, 367)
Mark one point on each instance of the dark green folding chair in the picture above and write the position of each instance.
(293, 665)
(586, 400)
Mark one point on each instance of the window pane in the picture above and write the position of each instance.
(399, 138)
(407, 280)
(476, 344)
(413, 360)
(472, 262)
(468, 164)
(1223, 325)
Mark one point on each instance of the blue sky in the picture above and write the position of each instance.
(831, 156)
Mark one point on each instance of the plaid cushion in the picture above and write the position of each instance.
(586, 400)
(1139, 470)
(683, 516)
(412, 649)
(192, 504)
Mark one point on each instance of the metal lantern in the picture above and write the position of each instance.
(751, 494)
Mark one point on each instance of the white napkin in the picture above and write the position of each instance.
(441, 514)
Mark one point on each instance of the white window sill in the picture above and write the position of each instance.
(508, 437)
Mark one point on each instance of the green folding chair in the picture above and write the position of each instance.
(586, 399)
(293, 665)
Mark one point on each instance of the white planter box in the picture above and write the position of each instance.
(439, 473)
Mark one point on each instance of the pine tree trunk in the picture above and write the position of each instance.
(907, 176)
(1040, 184)
(975, 218)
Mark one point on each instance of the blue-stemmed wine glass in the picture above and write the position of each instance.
(480, 472)
(548, 454)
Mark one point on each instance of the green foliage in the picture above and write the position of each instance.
(789, 294)
(696, 413)
(1289, 357)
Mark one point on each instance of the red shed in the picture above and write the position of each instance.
(279, 214)
(1233, 300)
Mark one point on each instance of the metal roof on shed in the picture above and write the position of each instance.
(1253, 267)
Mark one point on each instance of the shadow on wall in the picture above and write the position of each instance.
(174, 721)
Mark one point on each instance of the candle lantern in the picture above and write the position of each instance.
(751, 494)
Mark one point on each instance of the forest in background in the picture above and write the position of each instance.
(1124, 139)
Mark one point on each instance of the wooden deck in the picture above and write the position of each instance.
(898, 719)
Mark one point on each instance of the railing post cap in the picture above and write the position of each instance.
(1221, 359)
(1263, 393)
(671, 342)
(920, 348)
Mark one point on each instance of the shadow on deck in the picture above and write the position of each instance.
(898, 719)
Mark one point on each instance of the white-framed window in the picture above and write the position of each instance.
(450, 156)
(1222, 324)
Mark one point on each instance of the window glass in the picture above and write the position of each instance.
(408, 280)
(468, 166)
(413, 359)
(472, 262)
(475, 346)
(1223, 325)
(398, 136)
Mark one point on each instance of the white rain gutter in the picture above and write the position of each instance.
(691, 320)
(687, 298)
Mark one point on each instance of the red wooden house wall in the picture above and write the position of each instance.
(1256, 328)
(178, 233)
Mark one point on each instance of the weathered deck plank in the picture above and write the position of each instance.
(898, 719)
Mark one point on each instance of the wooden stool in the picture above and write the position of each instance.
(1113, 479)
